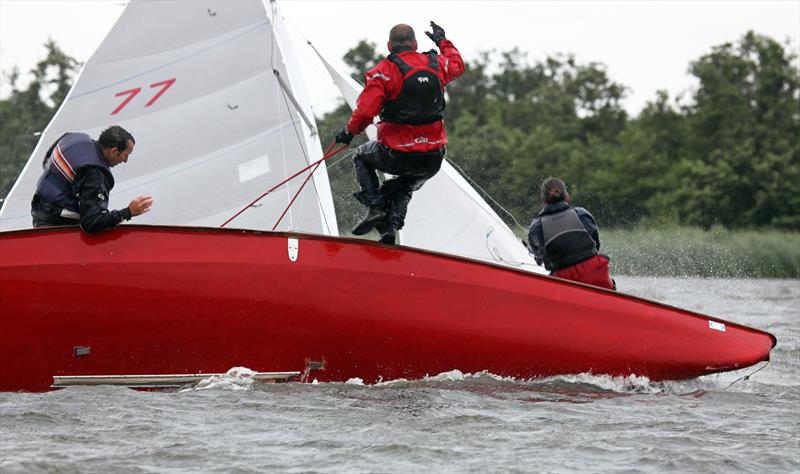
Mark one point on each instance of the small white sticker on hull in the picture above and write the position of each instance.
(716, 325)
(293, 249)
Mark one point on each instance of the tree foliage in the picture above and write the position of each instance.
(26, 112)
(729, 157)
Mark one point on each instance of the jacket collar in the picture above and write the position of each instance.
(401, 49)
(554, 208)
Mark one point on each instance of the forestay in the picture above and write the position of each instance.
(212, 94)
(447, 215)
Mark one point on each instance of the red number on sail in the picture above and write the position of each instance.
(131, 94)
(166, 84)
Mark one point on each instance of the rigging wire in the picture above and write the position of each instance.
(308, 160)
(296, 131)
(341, 158)
(485, 193)
(273, 47)
(747, 377)
(331, 151)
(295, 195)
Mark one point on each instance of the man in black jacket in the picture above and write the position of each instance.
(565, 239)
(75, 185)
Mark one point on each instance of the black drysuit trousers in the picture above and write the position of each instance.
(410, 171)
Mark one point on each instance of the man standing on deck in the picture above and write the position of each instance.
(565, 239)
(407, 90)
(74, 187)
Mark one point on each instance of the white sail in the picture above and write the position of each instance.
(206, 89)
(218, 106)
(448, 215)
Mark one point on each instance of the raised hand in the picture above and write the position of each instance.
(140, 205)
(437, 34)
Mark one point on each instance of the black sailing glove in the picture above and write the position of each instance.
(437, 34)
(344, 136)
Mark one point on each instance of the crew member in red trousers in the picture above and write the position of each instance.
(407, 90)
(565, 239)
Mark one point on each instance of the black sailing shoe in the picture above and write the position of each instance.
(387, 231)
(389, 236)
(373, 217)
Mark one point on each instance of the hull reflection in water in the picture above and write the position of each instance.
(170, 300)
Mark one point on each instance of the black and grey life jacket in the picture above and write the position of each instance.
(566, 241)
(63, 160)
(421, 100)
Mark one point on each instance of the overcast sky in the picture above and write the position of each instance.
(646, 45)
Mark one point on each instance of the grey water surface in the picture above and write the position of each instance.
(451, 422)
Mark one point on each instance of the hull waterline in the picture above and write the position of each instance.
(167, 300)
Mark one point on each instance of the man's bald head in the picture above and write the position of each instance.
(402, 34)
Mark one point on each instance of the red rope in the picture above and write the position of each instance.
(328, 153)
(295, 196)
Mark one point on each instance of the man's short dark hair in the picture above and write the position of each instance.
(402, 34)
(115, 137)
(553, 190)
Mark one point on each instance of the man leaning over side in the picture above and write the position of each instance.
(75, 184)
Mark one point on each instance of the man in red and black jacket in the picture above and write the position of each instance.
(407, 90)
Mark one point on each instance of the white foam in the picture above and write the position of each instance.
(236, 378)
(450, 376)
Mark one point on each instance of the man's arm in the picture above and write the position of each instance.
(92, 190)
(589, 224)
(536, 241)
(370, 101)
(450, 60)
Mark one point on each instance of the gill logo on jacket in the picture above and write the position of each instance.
(423, 79)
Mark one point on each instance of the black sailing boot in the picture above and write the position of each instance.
(375, 211)
(388, 236)
(373, 217)
(388, 232)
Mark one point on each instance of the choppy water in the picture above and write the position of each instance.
(453, 422)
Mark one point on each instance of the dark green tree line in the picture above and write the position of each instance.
(730, 157)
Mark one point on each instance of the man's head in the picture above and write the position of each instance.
(402, 35)
(554, 190)
(116, 144)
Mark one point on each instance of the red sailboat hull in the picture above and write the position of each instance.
(168, 300)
